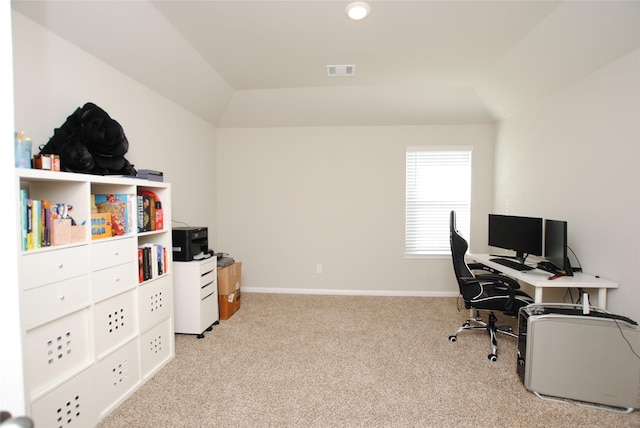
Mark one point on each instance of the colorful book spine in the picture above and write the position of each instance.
(140, 265)
(30, 224)
(159, 215)
(140, 207)
(36, 213)
(160, 259)
(146, 254)
(46, 223)
(24, 221)
(165, 258)
(132, 224)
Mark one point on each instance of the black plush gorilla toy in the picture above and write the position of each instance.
(90, 141)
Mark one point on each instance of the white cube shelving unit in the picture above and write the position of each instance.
(93, 331)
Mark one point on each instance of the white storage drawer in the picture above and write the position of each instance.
(209, 309)
(56, 299)
(114, 322)
(54, 265)
(112, 252)
(154, 302)
(195, 296)
(208, 276)
(117, 375)
(208, 266)
(108, 282)
(156, 348)
(71, 404)
(56, 349)
(209, 288)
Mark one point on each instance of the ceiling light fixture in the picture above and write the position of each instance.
(358, 10)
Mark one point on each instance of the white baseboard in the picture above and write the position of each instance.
(390, 293)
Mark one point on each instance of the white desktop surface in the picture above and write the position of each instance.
(539, 279)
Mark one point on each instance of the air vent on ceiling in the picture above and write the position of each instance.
(341, 70)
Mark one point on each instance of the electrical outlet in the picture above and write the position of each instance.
(318, 268)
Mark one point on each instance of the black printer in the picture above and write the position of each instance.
(190, 243)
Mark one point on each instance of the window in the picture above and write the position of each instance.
(438, 181)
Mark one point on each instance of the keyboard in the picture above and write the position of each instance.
(511, 264)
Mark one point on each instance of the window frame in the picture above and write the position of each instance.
(414, 245)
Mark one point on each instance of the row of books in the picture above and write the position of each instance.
(43, 224)
(127, 213)
(141, 212)
(35, 223)
(150, 216)
(152, 262)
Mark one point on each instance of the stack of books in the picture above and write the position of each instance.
(152, 262)
(150, 215)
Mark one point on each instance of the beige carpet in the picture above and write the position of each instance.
(345, 361)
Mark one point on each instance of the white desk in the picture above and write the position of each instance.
(539, 279)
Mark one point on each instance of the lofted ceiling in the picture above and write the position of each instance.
(264, 63)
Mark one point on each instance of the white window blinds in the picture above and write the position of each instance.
(438, 181)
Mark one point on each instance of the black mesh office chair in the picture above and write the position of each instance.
(490, 292)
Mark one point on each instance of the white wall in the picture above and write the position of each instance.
(575, 157)
(12, 394)
(292, 198)
(53, 78)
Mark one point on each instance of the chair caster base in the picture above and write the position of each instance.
(492, 357)
(452, 338)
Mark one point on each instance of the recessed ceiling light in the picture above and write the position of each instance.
(358, 10)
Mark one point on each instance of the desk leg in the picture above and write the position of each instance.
(602, 298)
(538, 295)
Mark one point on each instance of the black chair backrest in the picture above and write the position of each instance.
(459, 249)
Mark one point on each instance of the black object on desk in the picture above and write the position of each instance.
(511, 264)
(547, 267)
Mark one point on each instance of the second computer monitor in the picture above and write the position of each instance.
(520, 234)
(555, 245)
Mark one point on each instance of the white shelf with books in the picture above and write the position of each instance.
(93, 330)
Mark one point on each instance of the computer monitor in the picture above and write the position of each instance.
(555, 245)
(520, 234)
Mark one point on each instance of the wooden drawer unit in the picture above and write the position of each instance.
(117, 375)
(56, 300)
(53, 266)
(72, 404)
(195, 296)
(56, 349)
(156, 348)
(113, 252)
(153, 302)
(113, 280)
(114, 322)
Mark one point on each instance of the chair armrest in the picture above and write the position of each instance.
(505, 283)
(476, 266)
(502, 279)
(480, 266)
